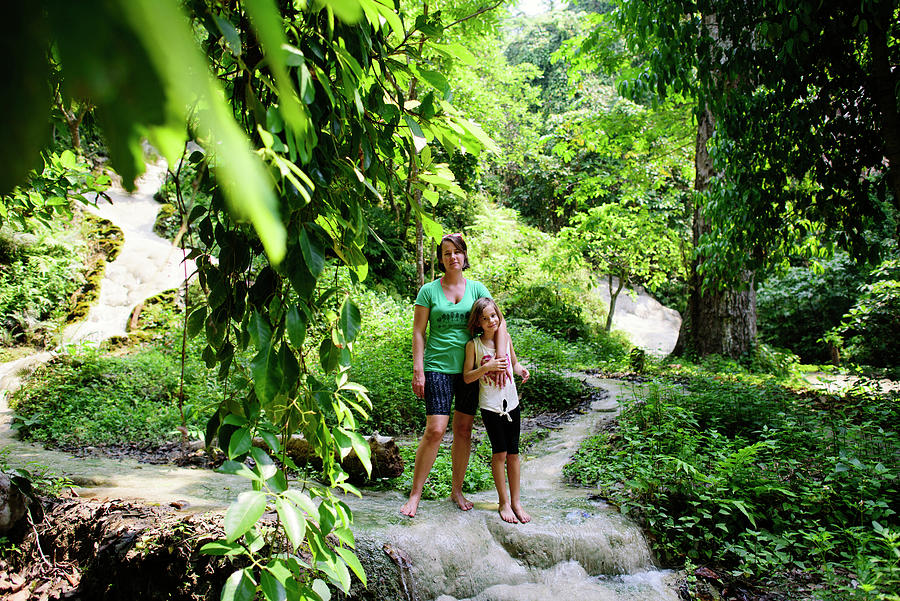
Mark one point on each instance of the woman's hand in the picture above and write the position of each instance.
(418, 384)
(495, 364)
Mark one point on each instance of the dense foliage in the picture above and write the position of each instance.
(38, 275)
(757, 478)
(797, 308)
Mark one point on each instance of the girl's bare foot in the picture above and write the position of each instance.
(521, 513)
(410, 507)
(507, 515)
(461, 502)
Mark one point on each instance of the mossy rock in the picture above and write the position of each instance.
(168, 221)
(154, 314)
(106, 237)
(105, 241)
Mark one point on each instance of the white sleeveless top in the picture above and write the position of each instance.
(492, 396)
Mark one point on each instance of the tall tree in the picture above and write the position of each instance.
(803, 97)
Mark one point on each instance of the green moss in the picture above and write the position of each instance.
(105, 241)
(156, 316)
(168, 221)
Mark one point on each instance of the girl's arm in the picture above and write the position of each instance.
(420, 322)
(471, 371)
(517, 367)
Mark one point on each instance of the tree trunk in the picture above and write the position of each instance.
(719, 322)
(613, 297)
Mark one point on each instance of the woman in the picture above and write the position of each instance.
(443, 307)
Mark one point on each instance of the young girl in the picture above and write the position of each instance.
(499, 402)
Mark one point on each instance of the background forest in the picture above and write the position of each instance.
(743, 166)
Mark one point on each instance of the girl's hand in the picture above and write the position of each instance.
(418, 384)
(523, 371)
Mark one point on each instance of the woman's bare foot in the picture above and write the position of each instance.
(410, 507)
(507, 515)
(521, 513)
(461, 502)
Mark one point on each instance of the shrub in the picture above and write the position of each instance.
(168, 221)
(383, 364)
(870, 328)
(549, 308)
(535, 346)
(551, 391)
(37, 277)
(93, 399)
(796, 309)
(804, 482)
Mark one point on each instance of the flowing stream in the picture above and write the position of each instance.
(573, 546)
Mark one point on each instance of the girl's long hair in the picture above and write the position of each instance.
(477, 309)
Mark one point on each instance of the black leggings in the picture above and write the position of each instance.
(504, 434)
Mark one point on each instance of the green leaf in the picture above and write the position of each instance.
(343, 441)
(195, 321)
(312, 253)
(269, 26)
(363, 451)
(350, 320)
(267, 374)
(353, 562)
(329, 355)
(264, 464)
(292, 521)
(240, 443)
(296, 326)
(272, 588)
(239, 587)
(244, 513)
(27, 99)
(321, 589)
(436, 79)
(348, 11)
(414, 126)
(167, 36)
(220, 547)
(302, 500)
(230, 34)
(238, 469)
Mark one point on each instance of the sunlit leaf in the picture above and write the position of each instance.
(239, 587)
(244, 513)
(292, 521)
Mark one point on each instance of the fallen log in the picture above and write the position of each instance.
(384, 454)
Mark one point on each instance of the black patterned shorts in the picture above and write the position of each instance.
(440, 390)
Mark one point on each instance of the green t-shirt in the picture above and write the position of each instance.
(445, 346)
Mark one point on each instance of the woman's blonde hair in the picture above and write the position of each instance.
(477, 310)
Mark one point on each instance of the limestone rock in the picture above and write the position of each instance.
(384, 453)
(12, 504)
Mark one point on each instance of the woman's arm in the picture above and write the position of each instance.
(471, 372)
(420, 322)
(503, 341)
